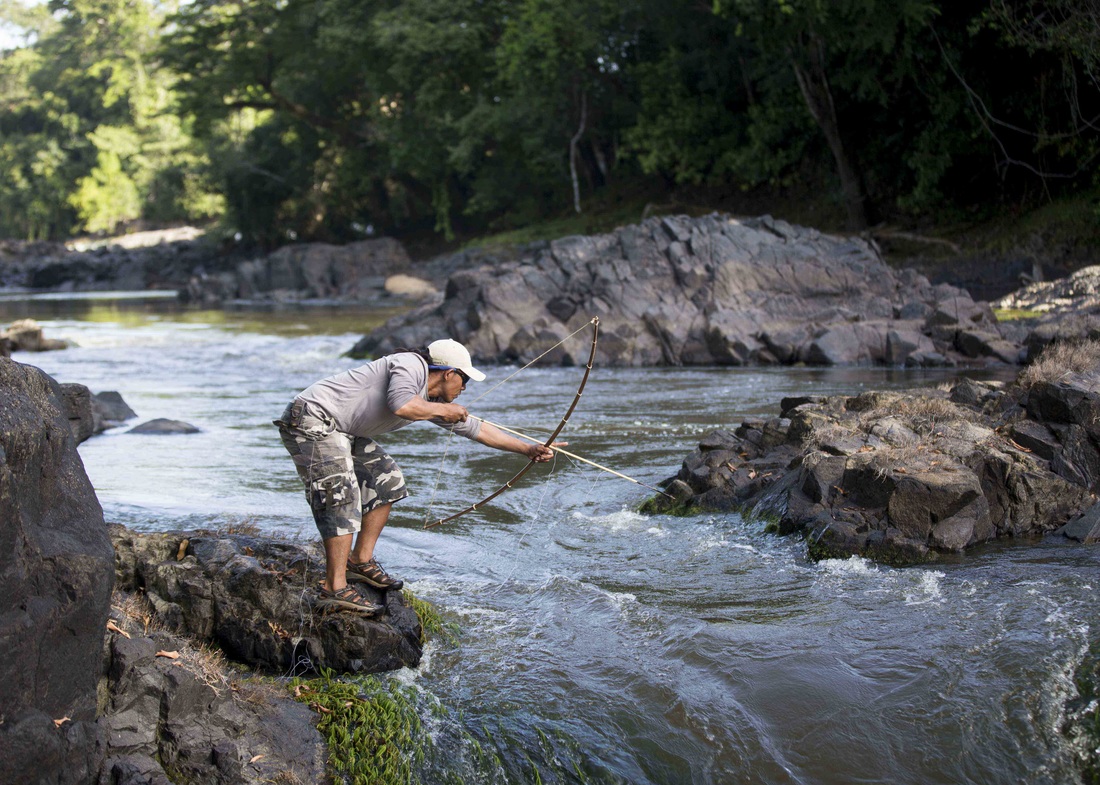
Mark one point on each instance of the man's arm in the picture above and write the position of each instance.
(492, 436)
(419, 409)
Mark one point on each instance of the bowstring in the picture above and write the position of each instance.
(581, 329)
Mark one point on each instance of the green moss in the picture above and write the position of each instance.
(662, 505)
(372, 727)
(431, 620)
(1014, 314)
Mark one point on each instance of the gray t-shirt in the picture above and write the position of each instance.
(362, 400)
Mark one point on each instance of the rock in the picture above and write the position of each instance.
(163, 426)
(699, 291)
(188, 715)
(56, 578)
(402, 285)
(249, 595)
(77, 401)
(305, 271)
(25, 335)
(901, 477)
(109, 410)
(1084, 529)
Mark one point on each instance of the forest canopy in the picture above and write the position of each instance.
(339, 119)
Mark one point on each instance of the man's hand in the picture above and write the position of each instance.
(540, 454)
(451, 412)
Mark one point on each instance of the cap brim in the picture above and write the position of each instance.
(474, 374)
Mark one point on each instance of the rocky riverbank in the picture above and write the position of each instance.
(116, 642)
(908, 477)
(708, 291)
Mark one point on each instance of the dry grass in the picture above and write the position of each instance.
(204, 661)
(1061, 359)
(137, 611)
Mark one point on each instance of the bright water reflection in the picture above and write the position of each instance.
(597, 644)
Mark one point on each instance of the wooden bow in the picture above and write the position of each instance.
(576, 399)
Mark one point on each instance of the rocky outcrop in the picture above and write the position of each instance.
(206, 274)
(175, 712)
(1067, 309)
(252, 596)
(900, 477)
(55, 579)
(706, 291)
(317, 271)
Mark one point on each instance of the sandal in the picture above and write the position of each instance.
(346, 599)
(373, 574)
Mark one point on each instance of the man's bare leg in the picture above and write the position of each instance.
(373, 523)
(336, 561)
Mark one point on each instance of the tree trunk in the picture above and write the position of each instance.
(814, 86)
(573, 152)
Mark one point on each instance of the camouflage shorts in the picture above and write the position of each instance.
(345, 476)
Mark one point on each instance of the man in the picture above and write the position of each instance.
(351, 483)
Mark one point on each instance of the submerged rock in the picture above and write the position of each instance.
(164, 426)
(902, 477)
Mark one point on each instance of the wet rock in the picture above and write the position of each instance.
(902, 477)
(253, 597)
(1084, 529)
(702, 291)
(164, 426)
(109, 410)
(26, 335)
(56, 579)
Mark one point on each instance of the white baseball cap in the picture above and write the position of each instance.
(448, 353)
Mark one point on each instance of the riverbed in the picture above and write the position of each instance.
(593, 643)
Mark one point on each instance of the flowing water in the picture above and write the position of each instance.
(593, 643)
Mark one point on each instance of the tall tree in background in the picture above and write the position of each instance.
(88, 119)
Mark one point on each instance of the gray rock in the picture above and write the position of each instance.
(711, 290)
(109, 409)
(56, 578)
(188, 715)
(899, 477)
(252, 596)
(1086, 528)
(162, 426)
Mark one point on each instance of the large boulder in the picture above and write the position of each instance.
(251, 596)
(899, 477)
(703, 291)
(174, 707)
(56, 578)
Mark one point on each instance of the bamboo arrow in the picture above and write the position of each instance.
(574, 456)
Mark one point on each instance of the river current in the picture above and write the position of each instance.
(593, 643)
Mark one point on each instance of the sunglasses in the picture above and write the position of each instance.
(465, 378)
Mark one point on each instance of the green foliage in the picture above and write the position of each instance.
(372, 727)
(432, 624)
(336, 119)
(86, 126)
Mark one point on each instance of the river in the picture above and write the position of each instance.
(593, 643)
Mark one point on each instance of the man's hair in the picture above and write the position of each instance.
(422, 351)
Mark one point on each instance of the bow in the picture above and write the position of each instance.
(576, 399)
